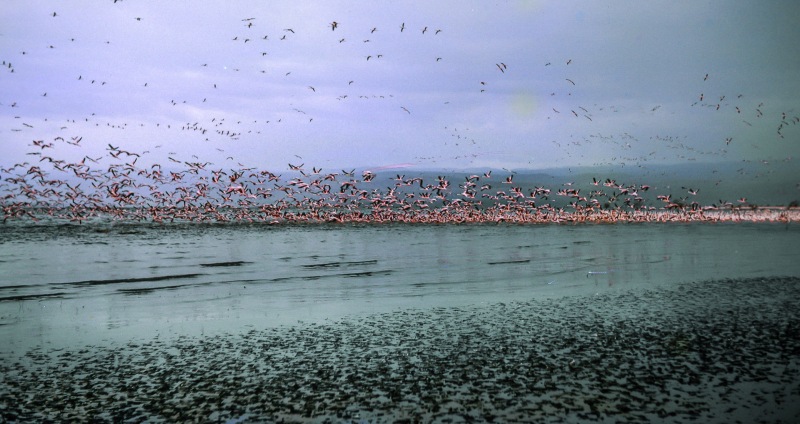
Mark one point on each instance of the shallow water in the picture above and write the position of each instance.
(70, 285)
(373, 323)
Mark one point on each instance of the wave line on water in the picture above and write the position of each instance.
(343, 263)
(225, 264)
(31, 297)
(518, 261)
(132, 280)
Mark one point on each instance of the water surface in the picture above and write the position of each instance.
(68, 285)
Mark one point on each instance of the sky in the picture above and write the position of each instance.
(402, 84)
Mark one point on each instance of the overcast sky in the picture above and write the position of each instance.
(514, 84)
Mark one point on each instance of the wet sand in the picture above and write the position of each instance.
(710, 351)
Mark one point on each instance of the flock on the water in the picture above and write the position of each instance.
(126, 183)
(119, 185)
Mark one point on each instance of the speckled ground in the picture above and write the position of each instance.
(711, 351)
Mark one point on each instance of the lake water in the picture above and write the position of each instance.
(72, 285)
(418, 323)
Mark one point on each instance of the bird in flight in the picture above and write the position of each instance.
(334, 24)
(403, 107)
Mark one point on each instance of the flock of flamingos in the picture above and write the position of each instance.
(126, 185)
(118, 186)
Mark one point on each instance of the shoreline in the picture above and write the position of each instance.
(712, 350)
(452, 214)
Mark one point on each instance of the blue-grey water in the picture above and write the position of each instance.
(125, 322)
(73, 285)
